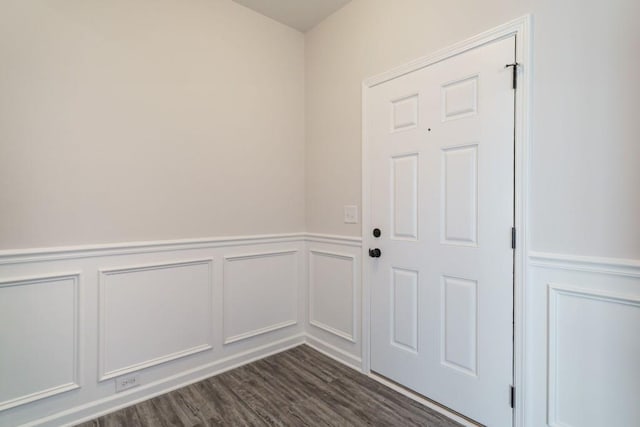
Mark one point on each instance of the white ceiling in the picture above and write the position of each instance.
(299, 14)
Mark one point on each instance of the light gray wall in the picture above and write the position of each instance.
(148, 120)
(585, 178)
(126, 121)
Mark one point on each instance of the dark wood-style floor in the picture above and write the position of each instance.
(299, 387)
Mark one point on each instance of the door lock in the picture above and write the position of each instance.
(375, 253)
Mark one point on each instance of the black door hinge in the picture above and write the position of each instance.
(514, 67)
(513, 397)
(513, 237)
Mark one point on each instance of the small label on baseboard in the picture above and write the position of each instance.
(126, 382)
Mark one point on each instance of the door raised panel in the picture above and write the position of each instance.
(404, 113)
(405, 197)
(405, 309)
(460, 324)
(460, 195)
(460, 99)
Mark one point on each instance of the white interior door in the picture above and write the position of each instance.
(441, 158)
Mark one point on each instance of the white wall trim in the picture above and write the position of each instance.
(334, 352)
(601, 265)
(337, 332)
(312, 321)
(334, 239)
(20, 256)
(502, 31)
(522, 29)
(103, 374)
(260, 331)
(17, 256)
(524, 56)
(265, 254)
(77, 319)
(553, 290)
(139, 394)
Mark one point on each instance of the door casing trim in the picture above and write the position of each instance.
(522, 29)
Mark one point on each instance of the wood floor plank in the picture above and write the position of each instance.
(342, 401)
(226, 405)
(270, 406)
(194, 407)
(308, 409)
(148, 414)
(170, 415)
(298, 387)
(316, 412)
(370, 391)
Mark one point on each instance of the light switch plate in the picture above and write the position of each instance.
(350, 214)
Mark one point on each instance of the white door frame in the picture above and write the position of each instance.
(521, 28)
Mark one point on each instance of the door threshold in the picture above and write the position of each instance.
(431, 404)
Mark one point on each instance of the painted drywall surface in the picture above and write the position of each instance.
(129, 121)
(585, 179)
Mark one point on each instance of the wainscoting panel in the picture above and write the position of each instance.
(260, 293)
(584, 344)
(332, 295)
(594, 349)
(152, 314)
(39, 338)
(334, 303)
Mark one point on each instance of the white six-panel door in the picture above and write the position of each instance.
(442, 193)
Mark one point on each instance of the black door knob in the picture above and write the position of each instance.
(376, 232)
(375, 253)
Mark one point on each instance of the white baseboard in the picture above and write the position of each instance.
(334, 353)
(429, 404)
(113, 403)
